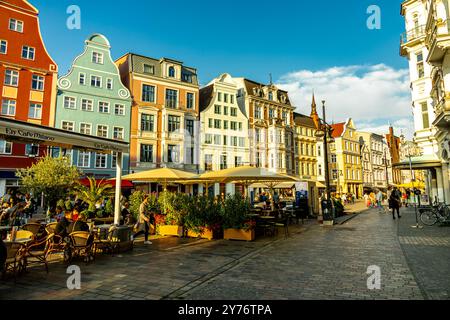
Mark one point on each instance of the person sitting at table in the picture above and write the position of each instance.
(79, 224)
(126, 214)
(62, 225)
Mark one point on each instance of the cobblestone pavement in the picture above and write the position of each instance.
(427, 251)
(313, 263)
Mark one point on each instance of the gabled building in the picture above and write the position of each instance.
(346, 166)
(271, 125)
(92, 100)
(164, 115)
(223, 129)
(28, 77)
(393, 143)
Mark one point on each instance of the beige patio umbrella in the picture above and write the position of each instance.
(248, 175)
(161, 175)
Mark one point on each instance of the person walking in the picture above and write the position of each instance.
(379, 198)
(143, 222)
(395, 202)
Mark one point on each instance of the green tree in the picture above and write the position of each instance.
(95, 192)
(54, 177)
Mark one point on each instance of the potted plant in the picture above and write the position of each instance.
(236, 224)
(173, 209)
(203, 218)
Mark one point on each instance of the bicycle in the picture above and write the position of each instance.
(434, 214)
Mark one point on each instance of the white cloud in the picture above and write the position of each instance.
(373, 95)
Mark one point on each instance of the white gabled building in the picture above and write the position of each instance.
(223, 129)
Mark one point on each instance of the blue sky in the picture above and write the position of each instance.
(243, 38)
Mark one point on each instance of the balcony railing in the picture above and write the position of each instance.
(412, 34)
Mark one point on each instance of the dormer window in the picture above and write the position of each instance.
(97, 57)
(271, 96)
(171, 72)
(149, 69)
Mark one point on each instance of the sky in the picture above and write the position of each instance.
(322, 45)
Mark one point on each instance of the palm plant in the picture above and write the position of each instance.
(96, 192)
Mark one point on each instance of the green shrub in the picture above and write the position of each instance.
(136, 199)
(201, 212)
(235, 212)
(109, 208)
(61, 204)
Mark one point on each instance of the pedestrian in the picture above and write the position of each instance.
(143, 225)
(379, 198)
(395, 202)
(408, 197)
(344, 199)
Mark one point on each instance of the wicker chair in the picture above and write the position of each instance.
(109, 244)
(81, 245)
(50, 228)
(35, 228)
(14, 259)
(39, 252)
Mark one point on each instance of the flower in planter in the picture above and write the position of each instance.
(249, 225)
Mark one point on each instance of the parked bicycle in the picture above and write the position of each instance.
(434, 214)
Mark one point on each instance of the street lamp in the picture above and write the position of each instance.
(324, 131)
(416, 192)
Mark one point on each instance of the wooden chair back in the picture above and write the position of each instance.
(24, 234)
(50, 228)
(80, 238)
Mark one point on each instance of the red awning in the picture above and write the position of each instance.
(125, 183)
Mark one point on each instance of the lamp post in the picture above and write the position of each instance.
(416, 192)
(325, 131)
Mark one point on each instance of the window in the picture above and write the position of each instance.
(233, 112)
(217, 139)
(96, 81)
(35, 111)
(319, 151)
(208, 138)
(240, 126)
(172, 154)
(31, 150)
(271, 113)
(109, 84)
(149, 69)
(225, 110)
(231, 98)
(102, 131)
(148, 93)
(190, 127)
(174, 123)
(257, 135)
(172, 72)
(5, 147)
(146, 153)
(103, 107)
(225, 124)
(190, 100)
(87, 105)
(425, 118)
(100, 161)
(118, 133)
(233, 125)
(84, 159)
(208, 162)
(420, 65)
(97, 57)
(234, 141)
(3, 46)
(186, 77)
(225, 140)
(219, 96)
(223, 162)
(11, 78)
(320, 169)
(68, 126)
(210, 123)
(333, 158)
(119, 110)
(37, 82)
(171, 98)
(258, 160)
(271, 96)
(225, 97)
(85, 128)
(217, 109)
(237, 161)
(82, 79)
(285, 117)
(147, 122)
(258, 112)
(27, 53)
(15, 25)
(217, 124)
(8, 107)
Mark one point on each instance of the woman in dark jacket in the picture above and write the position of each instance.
(394, 202)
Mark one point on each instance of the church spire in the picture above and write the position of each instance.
(314, 114)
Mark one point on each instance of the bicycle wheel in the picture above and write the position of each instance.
(429, 218)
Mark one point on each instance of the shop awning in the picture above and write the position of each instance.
(124, 184)
(419, 163)
(282, 185)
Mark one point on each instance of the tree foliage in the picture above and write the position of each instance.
(94, 193)
(51, 176)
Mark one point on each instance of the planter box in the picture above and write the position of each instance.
(171, 231)
(239, 234)
(205, 234)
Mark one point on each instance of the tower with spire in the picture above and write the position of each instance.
(314, 114)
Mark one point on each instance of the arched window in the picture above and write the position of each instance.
(271, 96)
(172, 72)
